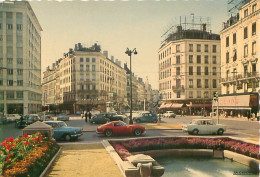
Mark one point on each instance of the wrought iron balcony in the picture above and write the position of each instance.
(178, 88)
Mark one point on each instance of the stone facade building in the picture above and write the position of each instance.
(240, 61)
(189, 70)
(20, 59)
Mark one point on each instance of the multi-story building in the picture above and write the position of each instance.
(20, 58)
(189, 70)
(86, 78)
(142, 95)
(239, 61)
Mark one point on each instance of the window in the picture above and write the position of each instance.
(198, 70)
(10, 82)
(206, 94)
(214, 59)
(93, 76)
(214, 48)
(190, 70)
(87, 59)
(10, 71)
(190, 58)
(93, 67)
(206, 59)
(245, 33)
(19, 82)
(199, 59)
(198, 83)
(93, 60)
(227, 41)
(19, 61)
(178, 94)
(1, 82)
(245, 50)
(9, 26)
(10, 95)
(214, 83)
(19, 71)
(206, 83)
(227, 57)
(87, 77)
(245, 13)
(198, 94)
(178, 48)
(227, 74)
(198, 48)
(234, 38)
(81, 67)
(19, 27)
(214, 71)
(190, 47)
(81, 77)
(235, 55)
(253, 8)
(190, 94)
(254, 29)
(254, 48)
(9, 60)
(206, 48)
(178, 71)
(178, 59)
(190, 83)
(206, 70)
(81, 59)
(245, 70)
(87, 67)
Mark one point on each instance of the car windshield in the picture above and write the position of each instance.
(194, 121)
(62, 124)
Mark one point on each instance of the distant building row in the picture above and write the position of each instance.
(85, 78)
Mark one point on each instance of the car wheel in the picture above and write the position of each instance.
(108, 132)
(137, 121)
(67, 137)
(195, 132)
(138, 132)
(220, 131)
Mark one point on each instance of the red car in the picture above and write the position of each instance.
(120, 128)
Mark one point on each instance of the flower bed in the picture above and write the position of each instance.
(26, 155)
(124, 148)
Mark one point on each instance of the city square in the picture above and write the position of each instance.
(138, 88)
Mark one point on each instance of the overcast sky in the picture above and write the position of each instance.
(118, 25)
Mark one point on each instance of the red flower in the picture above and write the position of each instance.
(11, 139)
(25, 136)
(40, 139)
(7, 159)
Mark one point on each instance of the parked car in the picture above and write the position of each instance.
(169, 114)
(46, 118)
(63, 117)
(26, 120)
(99, 119)
(12, 117)
(204, 126)
(62, 131)
(113, 116)
(146, 117)
(120, 128)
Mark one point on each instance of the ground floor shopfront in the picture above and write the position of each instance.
(187, 107)
(238, 105)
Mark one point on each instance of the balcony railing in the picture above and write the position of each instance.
(178, 88)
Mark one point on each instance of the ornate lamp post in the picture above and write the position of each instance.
(129, 53)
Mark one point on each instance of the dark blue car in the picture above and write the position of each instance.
(62, 131)
(146, 117)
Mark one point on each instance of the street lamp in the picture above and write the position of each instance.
(129, 53)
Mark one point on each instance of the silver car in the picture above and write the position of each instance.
(63, 117)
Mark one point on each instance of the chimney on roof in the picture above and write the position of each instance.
(119, 63)
(112, 58)
(116, 61)
(204, 27)
(179, 28)
(105, 52)
(70, 50)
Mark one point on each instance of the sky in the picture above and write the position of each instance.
(116, 25)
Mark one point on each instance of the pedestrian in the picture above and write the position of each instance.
(89, 115)
(182, 113)
(248, 115)
(86, 116)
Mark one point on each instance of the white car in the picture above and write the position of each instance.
(12, 117)
(204, 126)
(169, 114)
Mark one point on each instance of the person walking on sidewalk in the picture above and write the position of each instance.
(86, 116)
(248, 115)
(89, 115)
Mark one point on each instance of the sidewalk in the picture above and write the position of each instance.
(88, 160)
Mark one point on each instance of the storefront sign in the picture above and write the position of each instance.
(239, 100)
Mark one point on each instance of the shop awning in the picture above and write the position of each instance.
(165, 105)
(176, 105)
(200, 105)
